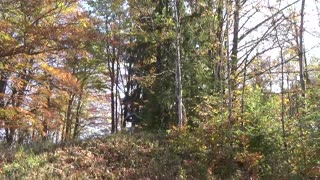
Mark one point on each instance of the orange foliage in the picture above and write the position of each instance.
(43, 26)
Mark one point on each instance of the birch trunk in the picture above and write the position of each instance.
(178, 65)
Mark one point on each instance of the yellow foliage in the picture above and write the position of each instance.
(66, 79)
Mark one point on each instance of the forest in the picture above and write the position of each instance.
(159, 89)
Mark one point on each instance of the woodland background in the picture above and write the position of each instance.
(223, 88)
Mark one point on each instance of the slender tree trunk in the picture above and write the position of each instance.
(45, 120)
(116, 111)
(111, 66)
(282, 101)
(3, 86)
(112, 106)
(243, 87)
(218, 69)
(69, 118)
(230, 83)
(9, 135)
(235, 43)
(112, 74)
(117, 94)
(302, 74)
(300, 102)
(283, 110)
(178, 65)
(301, 51)
(63, 132)
(78, 113)
(289, 94)
(127, 96)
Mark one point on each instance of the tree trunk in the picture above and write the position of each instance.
(3, 86)
(301, 51)
(235, 43)
(217, 56)
(78, 113)
(9, 135)
(45, 122)
(178, 65)
(302, 80)
(283, 109)
(230, 82)
(69, 118)
(117, 93)
(112, 76)
(243, 87)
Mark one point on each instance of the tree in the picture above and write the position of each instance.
(34, 34)
(178, 65)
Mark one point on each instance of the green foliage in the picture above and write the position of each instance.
(24, 161)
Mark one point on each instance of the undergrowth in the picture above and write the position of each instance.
(178, 154)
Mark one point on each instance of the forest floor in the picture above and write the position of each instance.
(120, 156)
(139, 155)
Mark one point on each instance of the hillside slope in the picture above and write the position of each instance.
(141, 155)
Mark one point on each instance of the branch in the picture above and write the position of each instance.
(265, 20)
